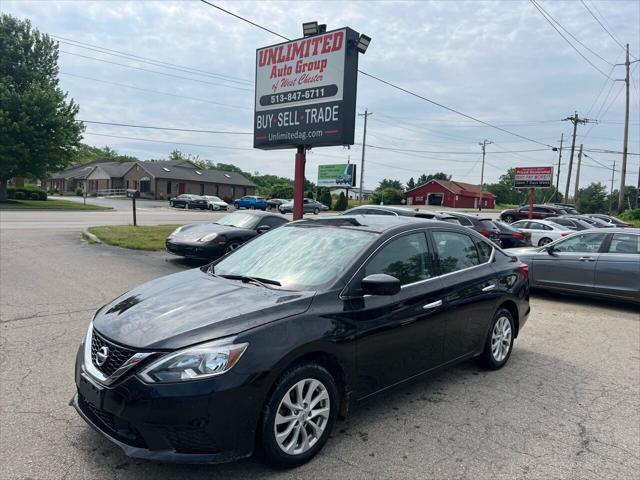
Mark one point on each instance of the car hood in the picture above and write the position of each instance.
(192, 307)
(191, 233)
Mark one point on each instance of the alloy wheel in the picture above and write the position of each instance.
(501, 339)
(302, 416)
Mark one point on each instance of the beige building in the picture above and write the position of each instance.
(159, 180)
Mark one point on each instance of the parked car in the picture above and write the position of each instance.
(483, 226)
(399, 211)
(310, 206)
(541, 231)
(511, 237)
(205, 364)
(212, 240)
(539, 212)
(215, 203)
(614, 221)
(188, 201)
(567, 207)
(594, 222)
(572, 223)
(274, 203)
(592, 262)
(251, 202)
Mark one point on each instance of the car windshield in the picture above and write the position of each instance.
(214, 199)
(315, 256)
(239, 219)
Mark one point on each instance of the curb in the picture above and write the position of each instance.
(90, 236)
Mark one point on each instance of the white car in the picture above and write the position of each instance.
(215, 203)
(542, 231)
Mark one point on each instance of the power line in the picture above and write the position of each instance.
(155, 71)
(166, 142)
(155, 91)
(573, 36)
(150, 61)
(392, 85)
(166, 128)
(600, 23)
(566, 40)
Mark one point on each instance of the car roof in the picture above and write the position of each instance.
(464, 214)
(259, 213)
(376, 223)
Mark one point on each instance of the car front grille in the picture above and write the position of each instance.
(116, 355)
(112, 425)
(189, 440)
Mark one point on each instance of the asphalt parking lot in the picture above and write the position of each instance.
(566, 406)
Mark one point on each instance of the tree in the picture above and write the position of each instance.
(86, 153)
(178, 155)
(325, 197)
(630, 194)
(388, 183)
(422, 179)
(388, 196)
(411, 184)
(342, 203)
(282, 190)
(593, 198)
(38, 129)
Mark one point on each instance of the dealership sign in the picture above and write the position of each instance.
(341, 175)
(306, 91)
(534, 177)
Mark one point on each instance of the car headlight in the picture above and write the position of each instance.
(208, 237)
(176, 231)
(204, 361)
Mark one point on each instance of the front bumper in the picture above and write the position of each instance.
(204, 251)
(208, 421)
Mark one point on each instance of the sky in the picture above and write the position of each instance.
(497, 61)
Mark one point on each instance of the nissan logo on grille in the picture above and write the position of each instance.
(101, 355)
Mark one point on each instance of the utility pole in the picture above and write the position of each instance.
(483, 144)
(575, 195)
(623, 171)
(613, 176)
(575, 120)
(558, 172)
(364, 142)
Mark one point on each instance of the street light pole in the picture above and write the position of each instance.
(364, 143)
(483, 144)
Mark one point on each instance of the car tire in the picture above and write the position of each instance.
(252, 207)
(316, 211)
(508, 218)
(211, 207)
(499, 344)
(543, 241)
(306, 376)
(171, 204)
(231, 246)
(236, 206)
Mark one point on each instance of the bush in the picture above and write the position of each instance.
(388, 196)
(78, 192)
(629, 215)
(325, 197)
(309, 194)
(228, 199)
(94, 194)
(341, 203)
(33, 193)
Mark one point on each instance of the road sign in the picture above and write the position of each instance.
(534, 177)
(306, 91)
(340, 175)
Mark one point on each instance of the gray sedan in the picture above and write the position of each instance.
(593, 262)
(310, 205)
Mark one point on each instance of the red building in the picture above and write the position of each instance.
(449, 194)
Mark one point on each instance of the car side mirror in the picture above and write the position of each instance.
(263, 228)
(380, 284)
(551, 250)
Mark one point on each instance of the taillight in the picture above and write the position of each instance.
(564, 234)
(518, 235)
(485, 232)
(524, 269)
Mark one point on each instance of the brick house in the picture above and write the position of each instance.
(450, 194)
(158, 180)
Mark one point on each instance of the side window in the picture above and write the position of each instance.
(526, 209)
(406, 258)
(455, 251)
(535, 226)
(586, 243)
(465, 221)
(485, 251)
(272, 222)
(520, 225)
(625, 243)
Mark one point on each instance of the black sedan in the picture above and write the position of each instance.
(483, 226)
(189, 201)
(511, 237)
(268, 349)
(399, 211)
(212, 240)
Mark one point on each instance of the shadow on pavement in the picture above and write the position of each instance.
(584, 301)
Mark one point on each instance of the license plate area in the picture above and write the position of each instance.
(90, 391)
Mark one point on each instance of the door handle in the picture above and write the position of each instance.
(488, 288)
(432, 305)
(586, 259)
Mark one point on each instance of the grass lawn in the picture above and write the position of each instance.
(50, 204)
(137, 238)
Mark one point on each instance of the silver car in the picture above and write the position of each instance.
(593, 262)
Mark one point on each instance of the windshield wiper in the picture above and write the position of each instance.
(246, 279)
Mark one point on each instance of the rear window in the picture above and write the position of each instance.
(488, 224)
(452, 220)
(624, 243)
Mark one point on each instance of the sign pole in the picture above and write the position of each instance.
(133, 198)
(532, 194)
(298, 184)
